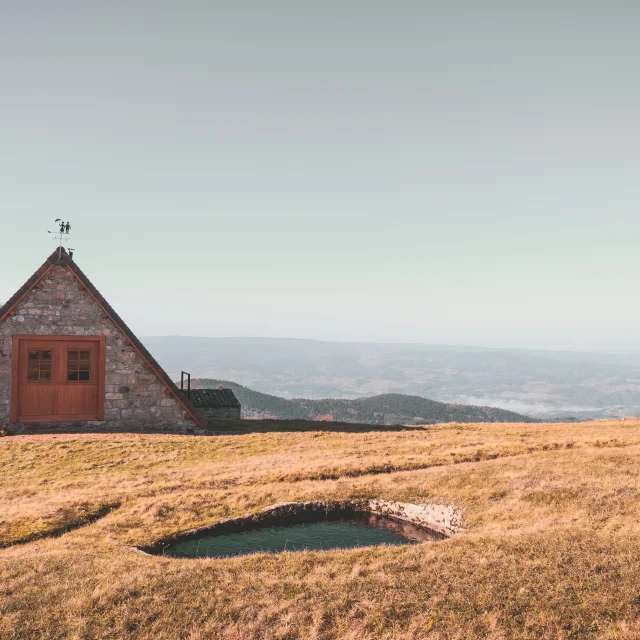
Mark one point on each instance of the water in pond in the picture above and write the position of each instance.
(357, 531)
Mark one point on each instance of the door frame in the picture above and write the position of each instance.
(15, 368)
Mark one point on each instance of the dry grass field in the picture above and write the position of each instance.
(551, 547)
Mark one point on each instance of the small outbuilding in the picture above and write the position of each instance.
(216, 404)
(68, 361)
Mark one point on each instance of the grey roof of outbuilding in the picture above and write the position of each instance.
(213, 398)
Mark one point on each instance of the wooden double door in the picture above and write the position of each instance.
(57, 378)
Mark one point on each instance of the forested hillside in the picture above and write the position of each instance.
(390, 408)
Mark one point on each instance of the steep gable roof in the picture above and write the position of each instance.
(214, 399)
(61, 258)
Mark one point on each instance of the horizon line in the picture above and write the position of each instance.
(387, 343)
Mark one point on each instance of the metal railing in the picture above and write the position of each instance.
(182, 375)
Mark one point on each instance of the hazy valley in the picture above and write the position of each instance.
(543, 384)
(387, 409)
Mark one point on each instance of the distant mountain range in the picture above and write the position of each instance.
(544, 384)
(388, 408)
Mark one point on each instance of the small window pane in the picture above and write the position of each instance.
(39, 365)
(78, 366)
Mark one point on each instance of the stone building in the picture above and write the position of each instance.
(69, 362)
(216, 404)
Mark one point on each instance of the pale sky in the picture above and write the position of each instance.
(436, 172)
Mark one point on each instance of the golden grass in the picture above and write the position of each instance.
(551, 548)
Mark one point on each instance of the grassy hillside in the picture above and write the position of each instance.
(552, 517)
(389, 408)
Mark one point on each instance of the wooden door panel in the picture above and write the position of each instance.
(37, 401)
(78, 395)
(78, 400)
(62, 379)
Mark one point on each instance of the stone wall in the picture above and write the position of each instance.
(443, 518)
(220, 413)
(135, 399)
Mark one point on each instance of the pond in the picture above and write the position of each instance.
(356, 530)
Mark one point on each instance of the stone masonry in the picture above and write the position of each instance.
(135, 398)
(221, 413)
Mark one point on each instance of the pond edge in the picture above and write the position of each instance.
(443, 519)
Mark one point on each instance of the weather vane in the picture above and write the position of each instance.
(62, 234)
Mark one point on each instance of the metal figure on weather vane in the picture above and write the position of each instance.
(62, 234)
